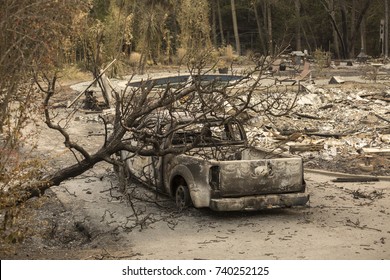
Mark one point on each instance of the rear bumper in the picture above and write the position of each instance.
(259, 202)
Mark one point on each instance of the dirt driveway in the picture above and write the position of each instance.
(343, 221)
(92, 221)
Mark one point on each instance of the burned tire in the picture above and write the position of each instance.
(183, 197)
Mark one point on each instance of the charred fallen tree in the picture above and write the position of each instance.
(197, 97)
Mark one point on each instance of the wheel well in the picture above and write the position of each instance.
(177, 181)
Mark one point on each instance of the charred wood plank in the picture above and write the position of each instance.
(355, 179)
(288, 132)
(306, 147)
(328, 106)
(381, 152)
(326, 135)
(301, 115)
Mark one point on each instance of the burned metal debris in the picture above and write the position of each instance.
(92, 103)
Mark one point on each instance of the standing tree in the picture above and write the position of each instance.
(255, 6)
(268, 12)
(235, 27)
(386, 28)
(220, 23)
(298, 25)
(349, 27)
(194, 25)
(151, 31)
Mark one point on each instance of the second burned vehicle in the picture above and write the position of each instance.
(221, 171)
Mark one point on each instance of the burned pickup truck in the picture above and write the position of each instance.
(221, 172)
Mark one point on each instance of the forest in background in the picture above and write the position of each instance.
(162, 31)
(47, 35)
(50, 35)
(93, 32)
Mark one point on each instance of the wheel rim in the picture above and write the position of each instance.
(181, 197)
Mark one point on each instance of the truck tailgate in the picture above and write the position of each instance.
(265, 176)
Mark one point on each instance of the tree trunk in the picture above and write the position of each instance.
(269, 28)
(214, 24)
(330, 7)
(38, 188)
(298, 25)
(220, 23)
(335, 37)
(235, 28)
(305, 35)
(386, 28)
(259, 28)
(348, 33)
(352, 23)
(344, 28)
(363, 35)
(357, 27)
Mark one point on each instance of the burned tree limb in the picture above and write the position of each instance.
(326, 135)
(301, 115)
(38, 188)
(68, 143)
(138, 109)
(382, 118)
(306, 147)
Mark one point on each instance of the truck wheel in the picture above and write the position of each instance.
(183, 198)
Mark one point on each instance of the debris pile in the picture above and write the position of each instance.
(340, 128)
(92, 103)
